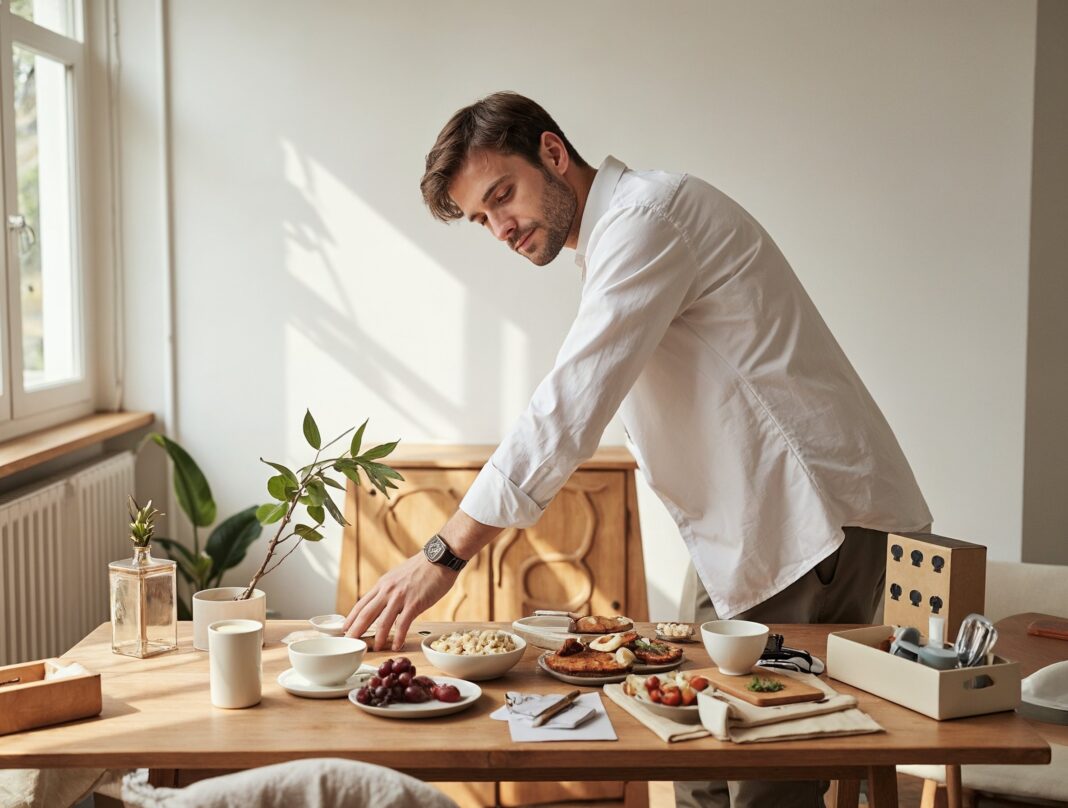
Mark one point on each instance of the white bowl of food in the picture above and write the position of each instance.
(327, 660)
(474, 654)
(734, 645)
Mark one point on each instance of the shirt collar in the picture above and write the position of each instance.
(601, 191)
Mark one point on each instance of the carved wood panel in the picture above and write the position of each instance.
(389, 531)
(574, 558)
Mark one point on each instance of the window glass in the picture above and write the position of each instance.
(55, 15)
(44, 220)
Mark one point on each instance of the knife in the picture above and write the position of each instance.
(556, 707)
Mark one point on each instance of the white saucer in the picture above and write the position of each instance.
(296, 684)
(469, 694)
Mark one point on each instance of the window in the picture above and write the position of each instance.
(42, 313)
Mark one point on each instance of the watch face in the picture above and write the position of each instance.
(435, 550)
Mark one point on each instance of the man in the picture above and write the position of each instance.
(745, 415)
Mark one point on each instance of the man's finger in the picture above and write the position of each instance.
(385, 622)
(358, 606)
(400, 633)
(366, 616)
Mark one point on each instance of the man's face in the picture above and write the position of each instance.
(528, 208)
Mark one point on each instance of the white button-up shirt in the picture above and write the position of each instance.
(745, 416)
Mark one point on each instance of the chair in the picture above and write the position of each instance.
(313, 783)
(1011, 588)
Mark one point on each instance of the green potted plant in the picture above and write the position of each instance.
(227, 543)
(307, 489)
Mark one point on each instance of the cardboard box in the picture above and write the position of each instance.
(34, 701)
(854, 657)
(928, 574)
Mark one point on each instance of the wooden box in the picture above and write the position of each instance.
(928, 574)
(854, 657)
(34, 701)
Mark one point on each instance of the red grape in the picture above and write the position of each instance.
(386, 668)
(448, 693)
(404, 679)
(414, 694)
(423, 681)
(363, 695)
(401, 664)
(374, 681)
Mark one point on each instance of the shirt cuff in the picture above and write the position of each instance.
(495, 500)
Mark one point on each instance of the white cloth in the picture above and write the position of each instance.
(312, 783)
(745, 415)
(595, 726)
(1047, 687)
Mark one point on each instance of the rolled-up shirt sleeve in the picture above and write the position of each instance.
(641, 274)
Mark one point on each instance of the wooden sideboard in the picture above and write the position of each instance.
(583, 555)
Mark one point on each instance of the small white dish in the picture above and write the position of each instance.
(469, 694)
(327, 660)
(292, 682)
(475, 667)
(548, 632)
(332, 625)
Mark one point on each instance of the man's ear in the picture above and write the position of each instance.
(554, 154)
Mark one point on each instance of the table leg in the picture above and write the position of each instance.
(636, 795)
(845, 793)
(953, 787)
(163, 778)
(882, 787)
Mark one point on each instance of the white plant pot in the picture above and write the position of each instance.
(211, 605)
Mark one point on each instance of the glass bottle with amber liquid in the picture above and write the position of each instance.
(144, 609)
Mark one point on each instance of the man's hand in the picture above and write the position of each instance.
(399, 596)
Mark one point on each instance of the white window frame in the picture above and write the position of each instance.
(17, 403)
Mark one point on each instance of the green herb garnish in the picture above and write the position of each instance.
(758, 685)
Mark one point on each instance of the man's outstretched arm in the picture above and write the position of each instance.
(407, 590)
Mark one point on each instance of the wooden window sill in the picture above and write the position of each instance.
(47, 444)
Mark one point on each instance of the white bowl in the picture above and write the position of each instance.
(327, 660)
(329, 624)
(734, 645)
(474, 668)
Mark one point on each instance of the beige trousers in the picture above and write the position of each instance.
(846, 587)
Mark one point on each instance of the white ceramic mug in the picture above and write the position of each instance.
(211, 605)
(235, 663)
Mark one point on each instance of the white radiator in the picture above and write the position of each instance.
(55, 545)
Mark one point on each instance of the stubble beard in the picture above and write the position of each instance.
(558, 207)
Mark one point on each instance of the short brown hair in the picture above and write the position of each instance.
(505, 122)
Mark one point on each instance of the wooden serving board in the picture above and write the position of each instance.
(737, 686)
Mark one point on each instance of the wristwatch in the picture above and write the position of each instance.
(438, 552)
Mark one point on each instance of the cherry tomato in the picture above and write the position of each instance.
(689, 696)
(699, 683)
(654, 696)
(652, 683)
(671, 697)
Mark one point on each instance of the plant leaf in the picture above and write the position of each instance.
(271, 512)
(352, 474)
(285, 472)
(279, 487)
(190, 484)
(379, 451)
(357, 439)
(382, 470)
(316, 512)
(311, 430)
(331, 482)
(334, 512)
(307, 533)
(204, 565)
(229, 541)
(316, 492)
(182, 555)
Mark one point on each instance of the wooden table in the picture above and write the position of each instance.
(157, 714)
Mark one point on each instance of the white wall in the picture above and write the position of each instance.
(886, 147)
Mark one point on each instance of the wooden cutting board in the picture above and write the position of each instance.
(737, 686)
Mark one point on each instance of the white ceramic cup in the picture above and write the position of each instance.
(734, 645)
(236, 677)
(327, 660)
(211, 605)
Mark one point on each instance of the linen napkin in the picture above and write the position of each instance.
(730, 718)
(667, 730)
(590, 721)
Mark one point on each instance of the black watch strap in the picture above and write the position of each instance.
(438, 552)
